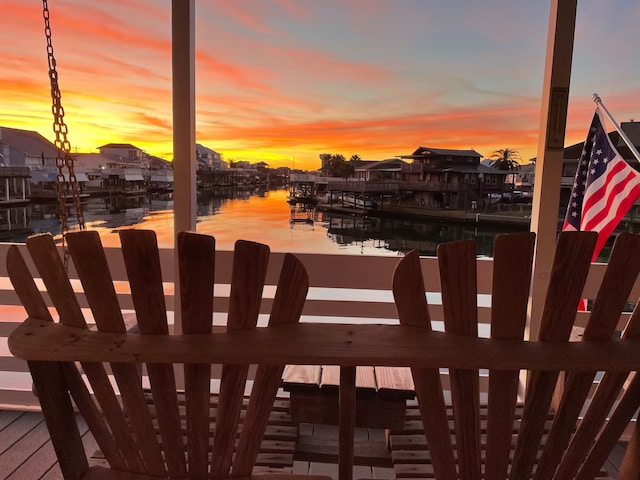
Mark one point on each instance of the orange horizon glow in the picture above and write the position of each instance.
(271, 87)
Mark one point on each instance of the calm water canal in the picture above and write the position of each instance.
(259, 216)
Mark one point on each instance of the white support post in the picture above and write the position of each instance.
(184, 136)
(553, 119)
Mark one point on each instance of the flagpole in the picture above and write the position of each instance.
(598, 101)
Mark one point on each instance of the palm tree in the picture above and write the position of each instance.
(506, 159)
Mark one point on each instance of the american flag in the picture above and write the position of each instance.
(604, 189)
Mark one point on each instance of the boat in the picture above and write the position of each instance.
(359, 202)
(302, 199)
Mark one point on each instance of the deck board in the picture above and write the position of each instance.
(26, 451)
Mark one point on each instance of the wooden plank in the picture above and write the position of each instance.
(91, 264)
(386, 345)
(365, 378)
(512, 265)
(413, 310)
(618, 421)
(459, 298)
(301, 376)
(25, 286)
(347, 406)
(142, 261)
(45, 255)
(23, 423)
(16, 460)
(247, 281)
(96, 420)
(54, 276)
(291, 293)
(394, 382)
(366, 452)
(622, 272)
(196, 257)
(570, 267)
(60, 418)
(371, 412)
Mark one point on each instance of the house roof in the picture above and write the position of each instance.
(123, 146)
(202, 148)
(421, 152)
(28, 142)
(388, 165)
(574, 151)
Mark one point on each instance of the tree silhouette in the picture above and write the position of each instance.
(506, 159)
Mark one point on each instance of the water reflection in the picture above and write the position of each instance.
(403, 235)
(262, 216)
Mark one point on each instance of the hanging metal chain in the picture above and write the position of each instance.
(63, 156)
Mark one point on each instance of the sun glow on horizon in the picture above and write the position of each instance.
(273, 85)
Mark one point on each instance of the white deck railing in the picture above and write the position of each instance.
(344, 288)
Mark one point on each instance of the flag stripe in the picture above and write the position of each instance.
(618, 188)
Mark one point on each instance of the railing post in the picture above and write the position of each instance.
(553, 118)
(184, 137)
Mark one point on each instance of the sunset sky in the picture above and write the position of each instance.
(286, 80)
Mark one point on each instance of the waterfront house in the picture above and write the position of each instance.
(125, 168)
(209, 159)
(160, 175)
(451, 178)
(36, 157)
(14, 171)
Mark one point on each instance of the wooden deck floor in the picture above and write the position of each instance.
(26, 452)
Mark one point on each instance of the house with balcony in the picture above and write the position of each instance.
(449, 178)
(14, 170)
(36, 156)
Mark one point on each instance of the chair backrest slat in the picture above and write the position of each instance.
(571, 265)
(618, 421)
(49, 264)
(582, 443)
(196, 254)
(142, 262)
(458, 278)
(25, 287)
(91, 264)
(621, 273)
(413, 309)
(249, 271)
(291, 293)
(512, 266)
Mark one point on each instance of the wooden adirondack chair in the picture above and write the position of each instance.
(140, 442)
(488, 439)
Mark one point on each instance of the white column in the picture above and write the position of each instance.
(553, 118)
(184, 136)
